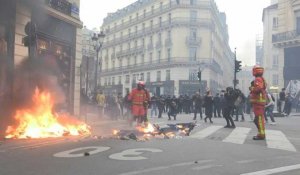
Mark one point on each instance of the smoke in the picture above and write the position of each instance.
(43, 73)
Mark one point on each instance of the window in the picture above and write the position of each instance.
(148, 76)
(170, 18)
(129, 32)
(113, 64)
(168, 75)
(145, 13)
(160, 21)
(136, 29)
(137, 16)
(143, 59)
(128, 46)
(143, 27)
(275, 61)
(169, 54)
(151, 40)
(134, 78)
(135, 43)
(192, 2)
(152, 9)
(151, 24)
(122, 21)
(169, 34)
(275, 80)
(161, 6)
(130, 18)
(127, 79)
(159, 55)
(105, 81)
(135, 60)
(193, 34)
(193, 54)
(275, 23)
(142, 77)
(150, 57)
(143, 42)
(128, 61)
(120, 63)
(178, 1)
(120, 80)
(158, 76)
(121, 35)
(113, 81)
(159, 37)
(193, 16)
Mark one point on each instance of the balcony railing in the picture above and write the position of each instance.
(285, 36)
(193, 41)
(60, 5)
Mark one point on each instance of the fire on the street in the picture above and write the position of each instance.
(153, 130)
(40, 121)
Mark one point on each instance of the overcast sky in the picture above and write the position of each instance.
(244, 19)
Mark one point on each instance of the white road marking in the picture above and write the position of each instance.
(206, 132)
(165, 167)
(276, 139)
(246, 161)
(238, 135)
(68, 154)
(275, 170)
(206, 167)
(133, 154)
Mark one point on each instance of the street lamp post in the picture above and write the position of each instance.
(98, 42)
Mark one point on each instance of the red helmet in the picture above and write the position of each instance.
(141, 83)
(257, 70)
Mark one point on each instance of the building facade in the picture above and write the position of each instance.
(165, 43)
(57, 37)
(271, 61)
(286, 38)
(88, 61)
(245, 77)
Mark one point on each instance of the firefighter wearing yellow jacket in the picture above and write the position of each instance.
(258, 100)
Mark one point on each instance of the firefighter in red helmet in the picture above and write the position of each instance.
(258, 100)
(139, 98)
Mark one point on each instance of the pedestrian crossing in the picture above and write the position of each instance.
(275, 139)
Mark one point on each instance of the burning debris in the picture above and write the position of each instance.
(155, 131)
(39, 121)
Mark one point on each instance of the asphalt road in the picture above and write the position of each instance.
(210, 149)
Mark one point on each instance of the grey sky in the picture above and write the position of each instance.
(244, 19)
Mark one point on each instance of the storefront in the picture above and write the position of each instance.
(190, 87)
(161, 88)
(56, 45)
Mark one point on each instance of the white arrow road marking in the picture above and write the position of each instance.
(165, 167)
(238, 135)
(275, 170)
(206, 132)
(133, 154)
(276, 139)
(68, 154)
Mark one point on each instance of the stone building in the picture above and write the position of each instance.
(165, 43)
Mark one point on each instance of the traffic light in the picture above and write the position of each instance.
(199, 75)
(237, 66)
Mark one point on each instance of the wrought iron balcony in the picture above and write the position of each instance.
(193, 41)
(286, 36)
(60, 5)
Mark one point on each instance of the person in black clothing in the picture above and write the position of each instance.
(208, 105)
(197, 100)
(239, 106)
(172, 110)
(160, 105)
(217, 105)
(229, 97)
(281, 101)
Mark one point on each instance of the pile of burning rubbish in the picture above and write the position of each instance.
(142, 133)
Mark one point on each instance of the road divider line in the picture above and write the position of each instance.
(238, 135)
(277, 140)
(206, 167)
(165, 167)
(275, 170)
(206, 132)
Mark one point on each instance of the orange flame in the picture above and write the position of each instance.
(40, 122)
(146, 129)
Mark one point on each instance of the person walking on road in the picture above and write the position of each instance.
(269, 108)
(258, 99)
(229, 99)
(197, 103)
(208, 105)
